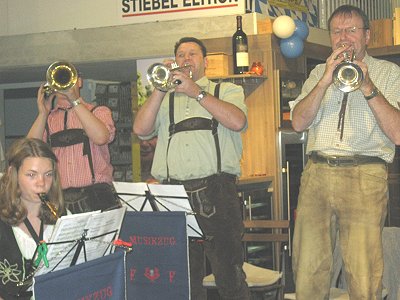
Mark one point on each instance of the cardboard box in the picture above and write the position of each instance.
(218, 64)
(264, 26)
(381, 33)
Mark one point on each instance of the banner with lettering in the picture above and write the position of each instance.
(102, 278)
(157, 267)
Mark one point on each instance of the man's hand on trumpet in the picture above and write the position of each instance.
(186, 84)
(44, 103)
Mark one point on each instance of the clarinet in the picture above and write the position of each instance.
(45, 201)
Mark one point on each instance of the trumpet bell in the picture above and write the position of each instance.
(348, 77)
(159, 76)
(60, 76)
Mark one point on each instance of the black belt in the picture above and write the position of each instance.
(337, 161)
(193, 184)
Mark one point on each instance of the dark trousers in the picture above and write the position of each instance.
(99, 196)
(218, 212)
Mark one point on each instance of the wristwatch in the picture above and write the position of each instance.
(75, 102)
(375, 92)
(201, 96)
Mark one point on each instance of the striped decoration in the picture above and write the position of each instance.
(320, 10)
(264, 7)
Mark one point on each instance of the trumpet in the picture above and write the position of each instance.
(45, 201)
(60, 76)
(159, 75)
(348, 76)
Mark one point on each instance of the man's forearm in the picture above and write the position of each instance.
(306, 110)
(37, 128)
(147, 114)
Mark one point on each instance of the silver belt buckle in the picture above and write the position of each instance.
(332, 161)
(336, 161)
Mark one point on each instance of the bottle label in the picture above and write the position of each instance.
(242, 59)
(241, 47)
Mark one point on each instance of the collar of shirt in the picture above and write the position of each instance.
(367, 58)
(203, 82)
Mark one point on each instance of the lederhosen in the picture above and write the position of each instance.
(98, 196)
(218, 212)
(201, 206)
(14, 268)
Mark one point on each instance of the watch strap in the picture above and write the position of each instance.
(375, 92)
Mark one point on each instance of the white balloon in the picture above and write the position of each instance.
(283, 27)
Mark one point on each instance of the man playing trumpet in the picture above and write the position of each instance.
(344, 188)
(79, 134)
(199, 145)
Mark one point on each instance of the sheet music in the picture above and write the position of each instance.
(133, 195)
(69, 230)
(168, 190)
(175, 198)
(168, 198)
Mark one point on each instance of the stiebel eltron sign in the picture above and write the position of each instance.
(134, 11)
(105, 13)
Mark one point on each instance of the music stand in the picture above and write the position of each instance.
(82, 237)
(140, 196)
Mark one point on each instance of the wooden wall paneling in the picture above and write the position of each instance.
(255, 136)
(259, 157)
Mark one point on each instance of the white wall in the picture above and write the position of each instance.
(25, 17)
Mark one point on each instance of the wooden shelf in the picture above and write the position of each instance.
(384, 51)
(238, 76)
(249, 82)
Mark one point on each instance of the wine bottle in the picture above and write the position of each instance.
(240, 49)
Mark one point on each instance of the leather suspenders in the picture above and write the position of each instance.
(69, 137)
(195, 123)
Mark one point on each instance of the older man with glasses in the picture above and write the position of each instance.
(344, 188)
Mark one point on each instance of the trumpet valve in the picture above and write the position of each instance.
(174, 66)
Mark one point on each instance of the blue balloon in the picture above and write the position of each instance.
(292, 47)
(301, 29)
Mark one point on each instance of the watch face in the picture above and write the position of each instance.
(201, 96)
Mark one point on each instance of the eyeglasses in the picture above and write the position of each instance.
(348, 30)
